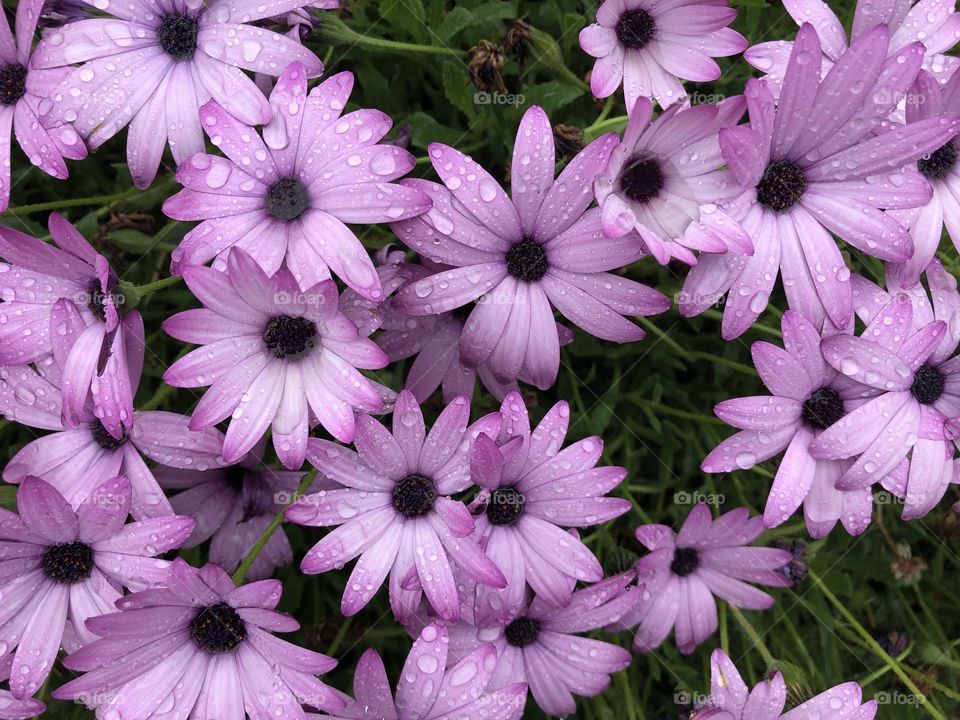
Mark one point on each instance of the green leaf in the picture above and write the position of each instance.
(407, 16)
(552, 95)
(457, 88)
(455, 21)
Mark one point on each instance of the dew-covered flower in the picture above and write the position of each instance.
(428, 689)
(65, 299)
(273, 355)
(65, 566)
(541, 645)
(665, 180)
(233, 506)
(287, 196)
(201, 647)
(395, 512)
(151, 64)
(531, 488)
(685, 570)
(652, 45)
(811, 164)
(934, 23)
(807, 396)
(23, 89)
(905, 354)
(78, 460)
(731, 699)
(520, 258)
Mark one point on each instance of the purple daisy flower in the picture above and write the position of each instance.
(10, 707)
(23, 89)
(935, 23)
(153, 63)
(684, 571)
(541, 645)
(731, 699)
(202, 647)
(232, 507)
(272, 354)
(76, 461)
(520, 258)
(428, 690)
(287, 196)
(664, 183)
(905, 354)
(808, 396)
(68, 564)
(926, 223)
(67, 300)
(651, 45)
(394, 509)
(531, 488)
(809, 166)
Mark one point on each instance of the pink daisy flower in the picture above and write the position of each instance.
(66, 300)
(10, 707)
(72, 565)
(151, 64)
(651, 45)
(395, 512)
(731, 699)
(684, 571)
(202, 647)
(934, 23)
(23, 89)
(532, 488)
(808, 396)
(664, 183)
(521, 258)
(286, 197)
(273, 355)
(810, 166)
(428, 689)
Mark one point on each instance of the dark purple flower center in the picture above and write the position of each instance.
(103, 438)
(635, 29)
(642, 180)
(505, 506)
(939, 163)
(522, 632)
(177, 36)
(68, 563)
(414, 495)
(97, 298)
(927, 385)
(823, 408)
(289, 338)
(13, 83)
(527, 261)
(685, 561)
(218, 629)
(782, 185)
(287, 199)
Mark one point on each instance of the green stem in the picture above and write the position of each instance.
(694, 354)
(144, 290)
(340, 636)
(335, 29)
(268, 532)
(754, 636)
(873, 645)
(162, 393)
(604, 125)
(74, 202)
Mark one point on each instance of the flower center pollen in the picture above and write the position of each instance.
(927, 385)
(13, 83)
(104, 439)
(505, 506)
(642, 181)
(287, 199)
(218, 629)
(939, 163)
(527, 261)
(414, 495)
(522, 632)
(823, 408)
(289, 338)
(635, 29)
(685, 561)
(782, 185)
(68, 563)
(177, 35)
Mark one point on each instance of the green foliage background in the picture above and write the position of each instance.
(651, 401)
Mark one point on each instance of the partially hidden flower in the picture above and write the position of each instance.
(201, 645)
(284, 199)
(395, 512)
(274, 356)
(685, 570)
(651, 46)
(66, 566)
(520, 258)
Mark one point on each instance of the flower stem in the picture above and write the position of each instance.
(604, 125)
(74, 202)
(268, 532)
(754, 636)
(335, 29)
(144, 290)
(873, 645)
